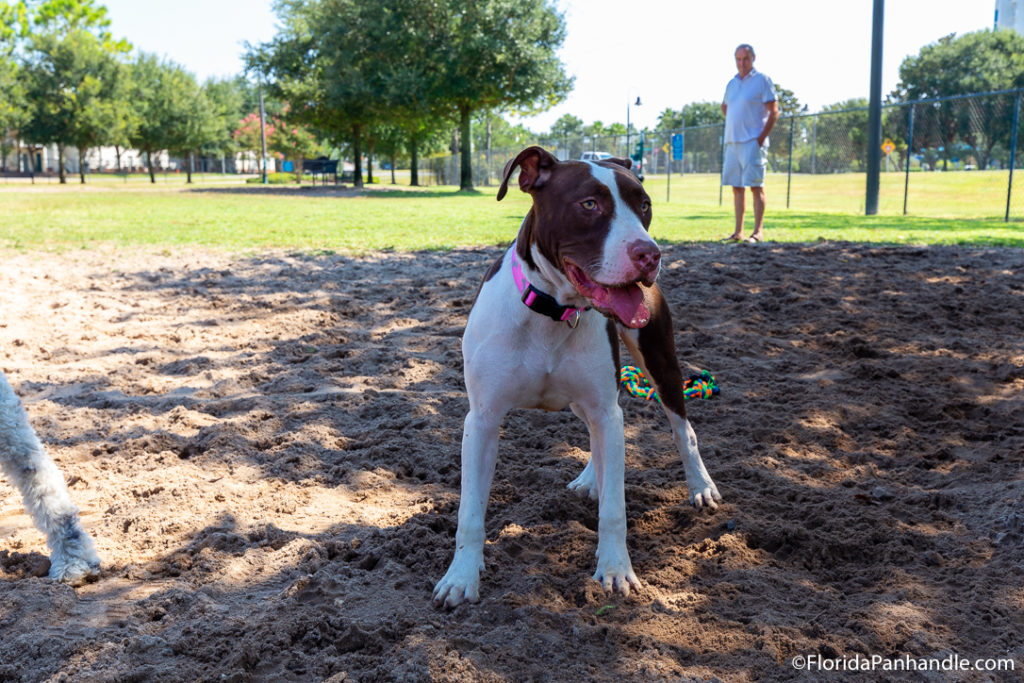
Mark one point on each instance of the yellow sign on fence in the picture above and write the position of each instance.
(888, 146)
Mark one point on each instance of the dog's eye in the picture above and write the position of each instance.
(589, 204)
(645, 206)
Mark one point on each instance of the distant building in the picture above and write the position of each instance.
(1010, 14)
(44, 160)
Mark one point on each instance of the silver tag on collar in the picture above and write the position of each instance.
(574, 320)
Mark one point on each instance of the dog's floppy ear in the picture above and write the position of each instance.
(535, 164)
(627, 163)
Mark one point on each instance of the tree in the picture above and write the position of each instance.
(104, 112)
(320, 63)
(567, 126)
(566, 134)
(346, 66)
(66, 16)
(691, 115)
(73, 76)
(291, 139)
(164, 95)
(981, 61)
(194, 123)
(974, 62)
(248, 137)
(226, 100)
(13, 106)
(496, 54)
(73, 88)
(789, 105)
(841, 143)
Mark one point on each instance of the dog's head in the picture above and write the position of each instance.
(589, 221)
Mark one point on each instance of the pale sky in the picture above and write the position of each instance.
(667, 52)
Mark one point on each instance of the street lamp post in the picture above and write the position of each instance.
(635, 104)
(263, 139)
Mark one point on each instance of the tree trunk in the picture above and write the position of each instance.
(188, 168)
(465, 145)
(149, 162)
(357, 152)
(392, 160)
(370, 145)
(60, 164)
(299, 162)
(414, 160)
(117, 156)
(81, 164)
(487, 174)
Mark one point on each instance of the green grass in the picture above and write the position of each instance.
(965, 209)
(970, 194)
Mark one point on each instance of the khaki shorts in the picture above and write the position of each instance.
(745, 164)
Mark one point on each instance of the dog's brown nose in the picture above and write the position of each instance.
(645, 256)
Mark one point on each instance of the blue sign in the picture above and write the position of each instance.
(288, 166)
(677, 147)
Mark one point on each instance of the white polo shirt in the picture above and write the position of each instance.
(745, 101)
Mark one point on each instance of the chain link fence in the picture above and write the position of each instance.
(953, 156)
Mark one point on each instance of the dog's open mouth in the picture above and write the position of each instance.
(624, 301)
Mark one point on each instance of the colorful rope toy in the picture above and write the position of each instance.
(697, 386)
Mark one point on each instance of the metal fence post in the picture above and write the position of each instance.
(682, 153)
(721, 172)
(814, 144)
(1013, 152)
(875, 111)
(789, 174)
(910, 152)
(668, 170)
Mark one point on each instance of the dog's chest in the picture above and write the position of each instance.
(539, 363)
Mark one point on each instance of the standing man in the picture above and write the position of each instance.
(751, 110)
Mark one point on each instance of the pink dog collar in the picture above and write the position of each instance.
(540, 302)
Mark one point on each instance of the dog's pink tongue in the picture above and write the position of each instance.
(628, 304)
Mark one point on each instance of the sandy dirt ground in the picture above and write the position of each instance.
(266, 450)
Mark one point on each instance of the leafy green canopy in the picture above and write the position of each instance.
(346, 65)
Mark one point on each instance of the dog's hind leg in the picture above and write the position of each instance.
(24, 461)
(585, 484)
(653, 348)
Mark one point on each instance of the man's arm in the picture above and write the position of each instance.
(773, 116)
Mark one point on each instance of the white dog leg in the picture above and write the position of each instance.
(479, 454)
(614, 569)
(703, 492)
(24, 460)
(585, 485)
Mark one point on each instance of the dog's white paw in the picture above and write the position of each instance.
(704, 494)
(616, 576)
(461, 583)
(74, 569)
(585, 485)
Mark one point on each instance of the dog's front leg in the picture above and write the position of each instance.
(23, 459)
(608, 458)
(479, 454)
(653, 348)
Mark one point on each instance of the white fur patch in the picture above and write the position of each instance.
(626, 228)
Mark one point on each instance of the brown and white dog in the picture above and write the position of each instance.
(543, 333)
